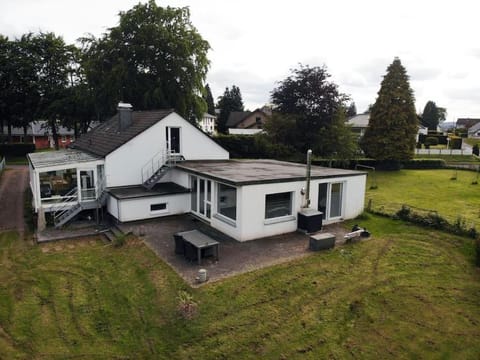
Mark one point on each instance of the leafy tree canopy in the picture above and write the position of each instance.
(318, 109)
(393, 122)
(154, 58)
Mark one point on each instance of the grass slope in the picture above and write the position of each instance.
(428, 189)
(405, 293)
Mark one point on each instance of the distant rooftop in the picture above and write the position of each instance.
(248, 172)
(359, 121)
(60, 157)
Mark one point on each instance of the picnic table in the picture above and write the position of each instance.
(200, 242)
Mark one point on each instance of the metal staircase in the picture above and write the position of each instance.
(69, 209)
(156, 168)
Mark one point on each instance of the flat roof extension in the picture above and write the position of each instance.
(249, 172)
(138, 191)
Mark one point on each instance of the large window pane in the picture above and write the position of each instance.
(336, 200)
(277, 205)
(227, 201)
(56, 184)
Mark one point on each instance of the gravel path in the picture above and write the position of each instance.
(13, 182)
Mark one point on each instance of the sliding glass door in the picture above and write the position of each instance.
(330, 200)
(201, 197)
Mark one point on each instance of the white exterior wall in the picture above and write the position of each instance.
(139, 208)
(124, 165)
(112, 206)
(251, 222)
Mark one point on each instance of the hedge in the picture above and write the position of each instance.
(424, 164)
(21, 149)
(256, 147)
(455, 142)
(442, 139)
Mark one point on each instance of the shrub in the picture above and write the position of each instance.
(119, 240)
(431, 141)
(186, 306)
(476, 150)
(455, 142)
(256, 146)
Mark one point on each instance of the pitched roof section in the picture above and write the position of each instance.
(236, 116)
(106, 137)
(467, 122)
(359, 121)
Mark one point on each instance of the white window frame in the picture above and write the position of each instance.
(283, 218)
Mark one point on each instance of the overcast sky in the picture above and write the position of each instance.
(256, 43)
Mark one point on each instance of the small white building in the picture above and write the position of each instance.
(141, 165)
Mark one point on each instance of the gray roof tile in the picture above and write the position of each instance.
(106, 137)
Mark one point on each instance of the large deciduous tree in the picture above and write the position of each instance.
(154, 58)
(309, 97)
(231, 100)
(55, 62)
(393, 123)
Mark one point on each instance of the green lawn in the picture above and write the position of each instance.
(405, 293)
(471, 141)
(428, 189)
(452, 158)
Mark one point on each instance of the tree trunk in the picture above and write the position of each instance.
(53, 127)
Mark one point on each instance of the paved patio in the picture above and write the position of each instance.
(234, 257)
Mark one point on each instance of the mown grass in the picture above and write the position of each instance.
(427, 189)
(463, 159)
(405, 293)
(471, 141)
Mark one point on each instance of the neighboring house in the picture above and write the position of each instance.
(359, 124)
(474, 131)
(247, 120)
(466, 123)
(208, 124)
(422, 130)
(41, 136)
(148, 164)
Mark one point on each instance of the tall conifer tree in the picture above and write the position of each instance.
(393, 122)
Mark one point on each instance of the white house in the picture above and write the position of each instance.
(208, 123)
(141, 165)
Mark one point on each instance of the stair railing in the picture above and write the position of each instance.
(70, 199)
(153, 165)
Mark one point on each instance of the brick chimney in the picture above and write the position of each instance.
(125, 115)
